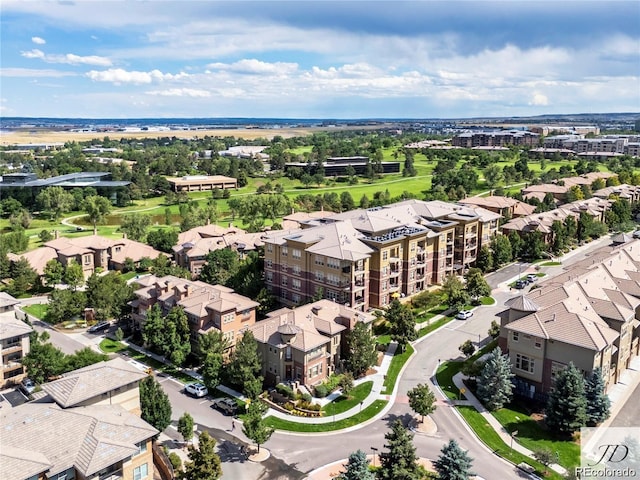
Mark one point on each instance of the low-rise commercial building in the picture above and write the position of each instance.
(199, 183)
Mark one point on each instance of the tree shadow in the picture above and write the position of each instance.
(391, 418)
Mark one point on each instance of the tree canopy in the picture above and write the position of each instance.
(362, 349)
(402, 323)
(399, 462)
(567, 405)
(204, 463)
(453, 463)
(154, 403)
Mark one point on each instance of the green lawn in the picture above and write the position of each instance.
(550, 264)
(38, 310)
(129, 275)
(369, 412)
(491, 438)
(434, 326)
(111, 346)
(342, 403)
(447, 370)
(397, 362)
(487, 301)
(535, 436)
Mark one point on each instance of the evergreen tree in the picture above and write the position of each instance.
(517, 244)
(154, 403)
(422, 400)
(453, 463)
(23, 277)
(494, 385)
(403, 323)
(254, 427)
(598, 403)
(204, 463)
(245, 365)
(567, 405)
(185, 426)
(357, 468)
(400, 462)
(362, 350)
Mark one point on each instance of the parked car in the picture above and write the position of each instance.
(27, 386)
(99, 327)
(228, 406)
(520, 284)
(531, 278)
(636, 234)
(198, 390)
(464, 314)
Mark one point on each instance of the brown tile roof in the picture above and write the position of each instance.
(37, 258)
(136, 251)
(87, 438)
(79, 385)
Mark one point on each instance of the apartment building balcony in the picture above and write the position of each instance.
(11, 348)
(450, 241)
(394, 272)
(393, 287)
(117, 475)
(11, 365)
(449, 252)
(471, 246)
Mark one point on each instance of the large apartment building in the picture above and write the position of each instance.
(14, 342)
(306, 344)
(208, 307)
(590, 315)
(495, 138)
(366, 257)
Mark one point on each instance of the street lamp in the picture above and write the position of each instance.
(374, 450)
(513, 434)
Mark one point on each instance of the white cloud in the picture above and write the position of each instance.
(539, 99)
(68, 58)
(252, 66)
(30, 73)
(120, 76)
(180, 92)
(38, 40)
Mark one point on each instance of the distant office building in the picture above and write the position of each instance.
(334, 166)
(199, 183)
(70, 180)
(495, 138)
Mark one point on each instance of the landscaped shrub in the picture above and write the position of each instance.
(283, 389)
(176, 461)
(307, 397)
(321, 391)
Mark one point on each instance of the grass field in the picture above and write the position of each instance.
(397, 362)
(344, 403)
(38, 310)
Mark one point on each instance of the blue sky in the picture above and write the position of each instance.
(318, 59)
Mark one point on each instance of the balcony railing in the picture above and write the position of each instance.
(112, 476)
(11, 365)
(14, 347)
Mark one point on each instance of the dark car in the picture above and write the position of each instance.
(99, 327)
(228, 406)
(27, 386)
(520, 284)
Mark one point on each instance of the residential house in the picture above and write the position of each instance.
(208, 307)
(14, 342)
(194, 245)
(305, 344)
(90, 252)
(589, 316)
(88, 427)
(115, 382)
(506, 206)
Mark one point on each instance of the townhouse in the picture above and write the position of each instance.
(90, 252)
(366, 257)
(208, 307)
(560, 188)
(14, 342)
(506, 206)
(306, 344)
(194, 245)
(589, 316)
(87, 427)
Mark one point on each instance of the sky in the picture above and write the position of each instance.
(318, 59)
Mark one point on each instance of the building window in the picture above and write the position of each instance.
(296, 254)
(87, 259)
(332, 295)
(537, 343)
(285, 281)
(229, 336)
(140, 472)
(385, 254)
(228, 317)
(524, 363)
(319, 275)
(333, 263)
(296, 269)
(295, 283)
(142, 446)
(269, 248)
(269, 276)
(295, 298)
(515, 336)
(269, 263)
(319, 259)
(285, 251)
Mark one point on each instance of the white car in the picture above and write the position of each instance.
(464, 314)
(197, 390)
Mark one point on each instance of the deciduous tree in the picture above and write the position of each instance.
(403, 323)
(53, 272)
(97, 208)
(185, 426)
(422, 400)
(154, 403)
(135, 226)
(454, 292)
(476, 285)
(245, 365)
(204, 463)
(254, 427)
(362, 349)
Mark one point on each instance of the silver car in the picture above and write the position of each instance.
(198, 390)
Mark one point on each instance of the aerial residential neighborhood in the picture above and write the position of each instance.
(319, 240)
